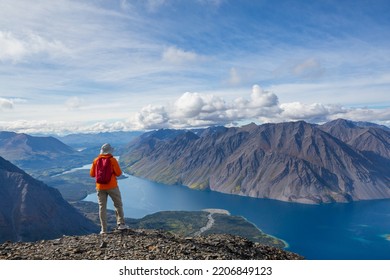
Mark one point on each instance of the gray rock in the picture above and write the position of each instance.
(144, 245)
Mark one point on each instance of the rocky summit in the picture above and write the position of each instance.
(144, 245)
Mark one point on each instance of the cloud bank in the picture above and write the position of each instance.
(194, 110)
(199, 110)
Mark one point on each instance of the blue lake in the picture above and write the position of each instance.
(332, 231)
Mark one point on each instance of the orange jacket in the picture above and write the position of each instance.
(116, 173)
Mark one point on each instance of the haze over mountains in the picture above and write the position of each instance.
(47, 155)
(90, 140)
(20, 146)
(339, 161)
(39, 155)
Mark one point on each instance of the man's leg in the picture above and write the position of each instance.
(102, 200)
(115, 195)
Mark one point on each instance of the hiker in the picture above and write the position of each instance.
(105, 169)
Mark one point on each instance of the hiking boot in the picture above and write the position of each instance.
(122, 227)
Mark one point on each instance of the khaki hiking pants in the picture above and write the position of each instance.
(115, 195)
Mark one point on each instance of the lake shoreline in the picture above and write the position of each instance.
(310, 230)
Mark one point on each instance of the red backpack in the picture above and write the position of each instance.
(103, 170)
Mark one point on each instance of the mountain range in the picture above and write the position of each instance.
(92, 140)
(40, 155)
(18, 146)
(30, 210)
(339, 161)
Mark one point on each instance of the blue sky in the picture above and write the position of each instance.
(89, 66)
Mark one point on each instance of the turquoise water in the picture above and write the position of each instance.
(333, 231)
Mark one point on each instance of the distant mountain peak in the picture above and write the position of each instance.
(249, 126)
(354, 124)
(342, 123)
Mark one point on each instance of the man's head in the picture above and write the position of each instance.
(106, 149)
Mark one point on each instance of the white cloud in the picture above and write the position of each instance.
(311, 112)
(200, 106)
(10, 47)
(234, 78)
(261, 98)
(189, 105)
(15, 49)
(62, 127)
(31, 126)
(6, 103)
(365, 114)
(310, 68)
(154, 5)
(175, 55)
(39, 44)
(74, 102)
(150, 117)
(197, 110)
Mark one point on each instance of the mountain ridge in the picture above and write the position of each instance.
(295, 161)
(39, 155)
(19, 145)
(31, 210)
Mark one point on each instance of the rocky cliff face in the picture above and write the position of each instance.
(295, 161)
(367, 138)
(30, 210)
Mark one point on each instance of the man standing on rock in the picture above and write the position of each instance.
(105, 168)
